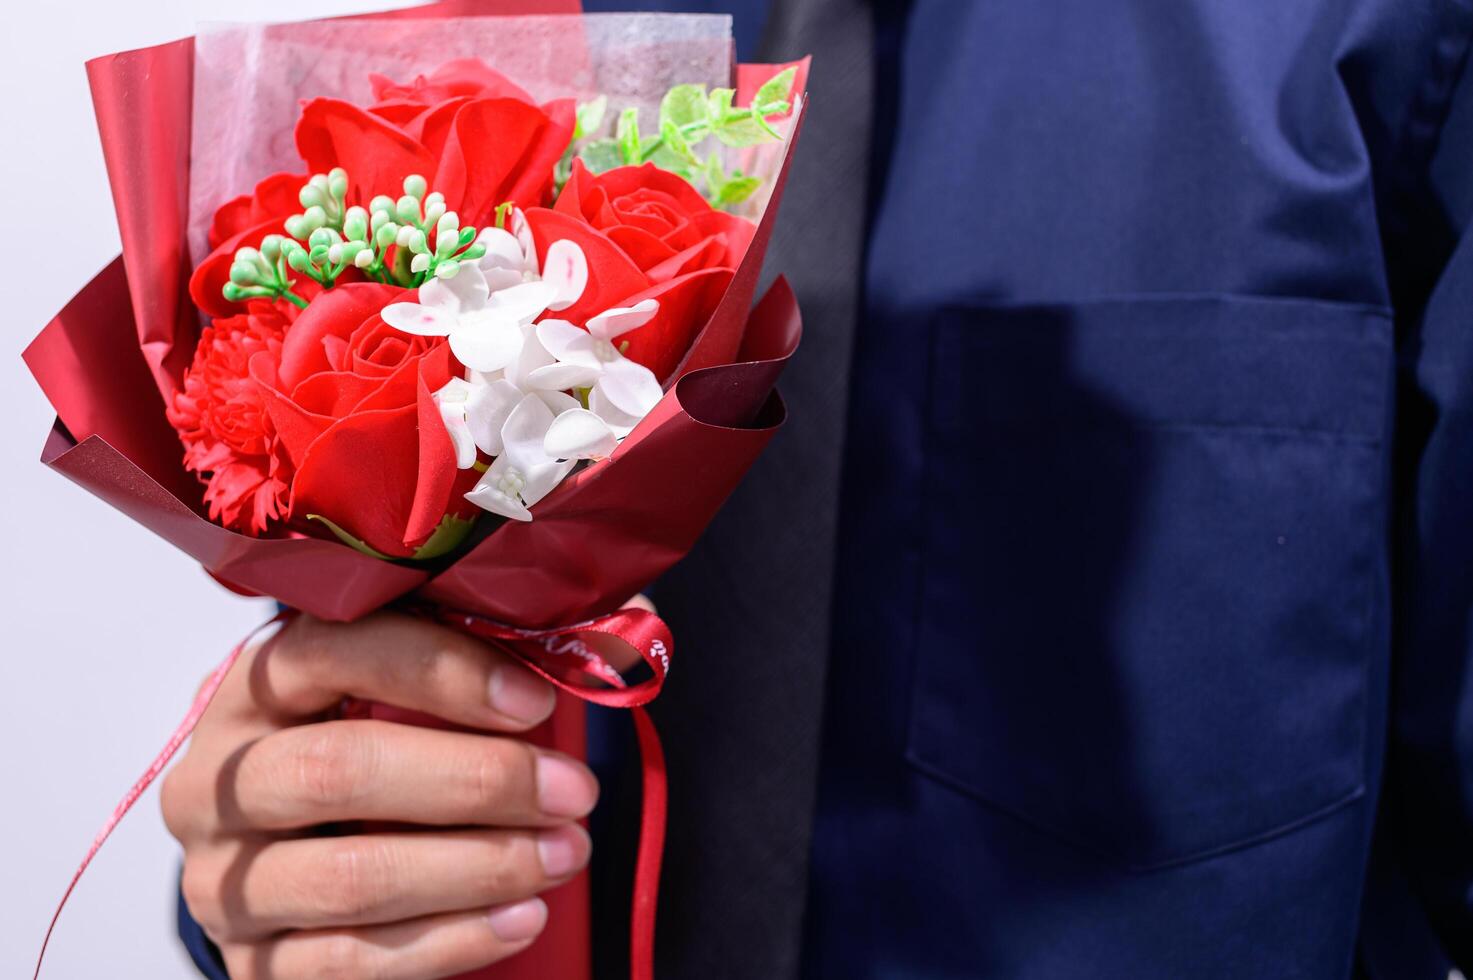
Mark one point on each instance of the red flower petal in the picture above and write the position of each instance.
(336, 313)
(686, 304)
(500, 150)
(211, 275)
(296, 429)
(361, 474)
(706, 254)
(612, 276)
(460, 76)
(376, 154)
(622, 181)
(738, 233)
(644, 248)
(437, 471)
(333, 393)
(273, 198)
(432, 128)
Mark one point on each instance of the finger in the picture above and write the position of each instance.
(394, 659)
(618, 654)
(378, 770)
(318, 883)
(420, 949)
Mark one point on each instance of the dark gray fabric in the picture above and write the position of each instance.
(751, 605)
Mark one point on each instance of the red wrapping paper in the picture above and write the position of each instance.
(108, 358)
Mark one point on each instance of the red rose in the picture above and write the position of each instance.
(228, 436)
(486, 144)
(350, 400)
(660, 221)
(647, 234)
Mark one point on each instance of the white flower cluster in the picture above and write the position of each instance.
(514, 402)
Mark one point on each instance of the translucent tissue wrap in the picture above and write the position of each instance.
(249, 79)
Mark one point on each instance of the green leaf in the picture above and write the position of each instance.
(356, 543)
(601, 155)
(445, 538)
(677, 143)
(684, 105)
(718, 104)
(627, 136)
(775, 89)
(715, 175)
(666, 159)
(589, 117)
(748, 131)
(736, 190)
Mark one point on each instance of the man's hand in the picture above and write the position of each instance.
(265, 769)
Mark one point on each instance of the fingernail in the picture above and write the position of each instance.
(564, 788)
(514, 923)
(520, 695)
(563, 851)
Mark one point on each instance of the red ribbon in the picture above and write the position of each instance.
(557, 655)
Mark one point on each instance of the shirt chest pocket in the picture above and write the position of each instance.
(1154, 570)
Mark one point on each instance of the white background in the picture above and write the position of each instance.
(107, 631)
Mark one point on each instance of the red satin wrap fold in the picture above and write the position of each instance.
(603, 535)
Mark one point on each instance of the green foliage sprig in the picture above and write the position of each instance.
(689, 115)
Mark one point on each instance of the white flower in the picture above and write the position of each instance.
(523, 473)
(476, 407)
(474, 410)
(483, 317)
(621, 391)
(511, 258)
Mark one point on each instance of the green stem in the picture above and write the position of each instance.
(695, 127)
(288, 294)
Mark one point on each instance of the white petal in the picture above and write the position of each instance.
(523, 232)
(621, 319)
(541, 480)
(454, 391)
(569, 344)
(499, 279)
(524, 431)
(563, 377)
(460, 434)
(464, 291)
(631, 387)
(503, 251)
(488, 495)
(579, 434)
(422, 321)
(621, 422)
(566, 269)
(486, 412)
(486, 346)
(558, 401)
(525, 301)
(533, 356)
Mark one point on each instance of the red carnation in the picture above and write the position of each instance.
(222, 420)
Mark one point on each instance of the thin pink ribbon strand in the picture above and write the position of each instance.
(181, 734)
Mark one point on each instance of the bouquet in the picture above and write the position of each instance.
(441, 310)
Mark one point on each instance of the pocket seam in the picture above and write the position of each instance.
(960, 785)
